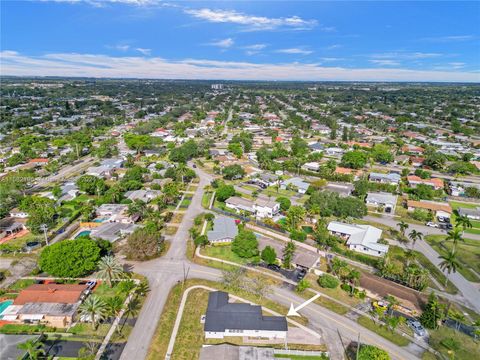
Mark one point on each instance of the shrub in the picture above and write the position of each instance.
(298, 235)
(346, 287)
(328, 281)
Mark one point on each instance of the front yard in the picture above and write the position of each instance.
(468, 254)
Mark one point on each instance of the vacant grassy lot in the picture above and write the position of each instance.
(383, 331)
(468, 254)
(466, 348)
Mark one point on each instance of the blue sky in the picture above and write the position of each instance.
(267, 40)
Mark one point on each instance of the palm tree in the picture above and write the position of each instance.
(410, 255)
(403, 227)
(462, 221)
(110, 270)
(114, 305)
(94, 309)
(353, 278)
(414, 236)
(33, 349)
(142, 288)
(449, 263)
(455, 236)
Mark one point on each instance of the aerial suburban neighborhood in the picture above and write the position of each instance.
(198, 215)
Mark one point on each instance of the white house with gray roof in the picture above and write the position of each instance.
(392, 178)
(224, 230)
(225, 319)
(300, 185)
(383, 199)
(360, 238)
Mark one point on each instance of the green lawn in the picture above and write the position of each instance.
(457, 204)
(383, 331)
(468, 254)
(207, 197)
(21, 284)
(467, 348)
(224, 252)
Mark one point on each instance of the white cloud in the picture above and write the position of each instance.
(334, 46)
(91, 65)
(255, 47)
(405, 55)
(327, 59)
(385, 62)
(449, 38)
(251, 21)
(457, 65)
(144, 51)
(225, 43)
(294, 51)
(122, 47)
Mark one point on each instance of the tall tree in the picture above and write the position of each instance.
(109, 269)
(33, 349)
(449, 263)
(94, 309)
(414, 236)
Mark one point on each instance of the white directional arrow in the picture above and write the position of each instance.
(294, 310)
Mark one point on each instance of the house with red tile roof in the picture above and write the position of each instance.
(52, 304)
(435, 183)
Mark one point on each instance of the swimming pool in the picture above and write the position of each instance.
(4, 305)
(83, 233)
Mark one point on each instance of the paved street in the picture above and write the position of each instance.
(469, 290)
(165, 272)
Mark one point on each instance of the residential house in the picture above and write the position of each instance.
(457, 188)
(360, 238)
(225, 319)
(416, 161)
(382, 199)
(112, 231)
(473, 214)
(334, 151)
(52, 304)
(143, 195)
(435, 183)
(266, 208)
(412, 149)
(298, 184)
(391, 178)
(115, 213)
(17, 213)
(439, 209)
(260, 208)
(224, 230)
(240, 204)
(316, 146)
(311, 166)
(342, 189)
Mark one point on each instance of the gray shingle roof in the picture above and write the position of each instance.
(222, 315)
(223, 228)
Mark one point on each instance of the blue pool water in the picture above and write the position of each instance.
(83, 233)
(4, 305)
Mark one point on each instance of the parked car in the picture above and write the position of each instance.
(380, 305)
(417, 327)
(445, 226)
(91, 284)
(273, 267)
(301, 273)
(443, 219)
(432, 224)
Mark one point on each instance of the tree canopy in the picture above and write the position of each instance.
(70, 258)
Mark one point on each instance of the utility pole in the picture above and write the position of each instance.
(44, 228)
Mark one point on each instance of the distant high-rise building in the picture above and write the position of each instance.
(217, 86)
